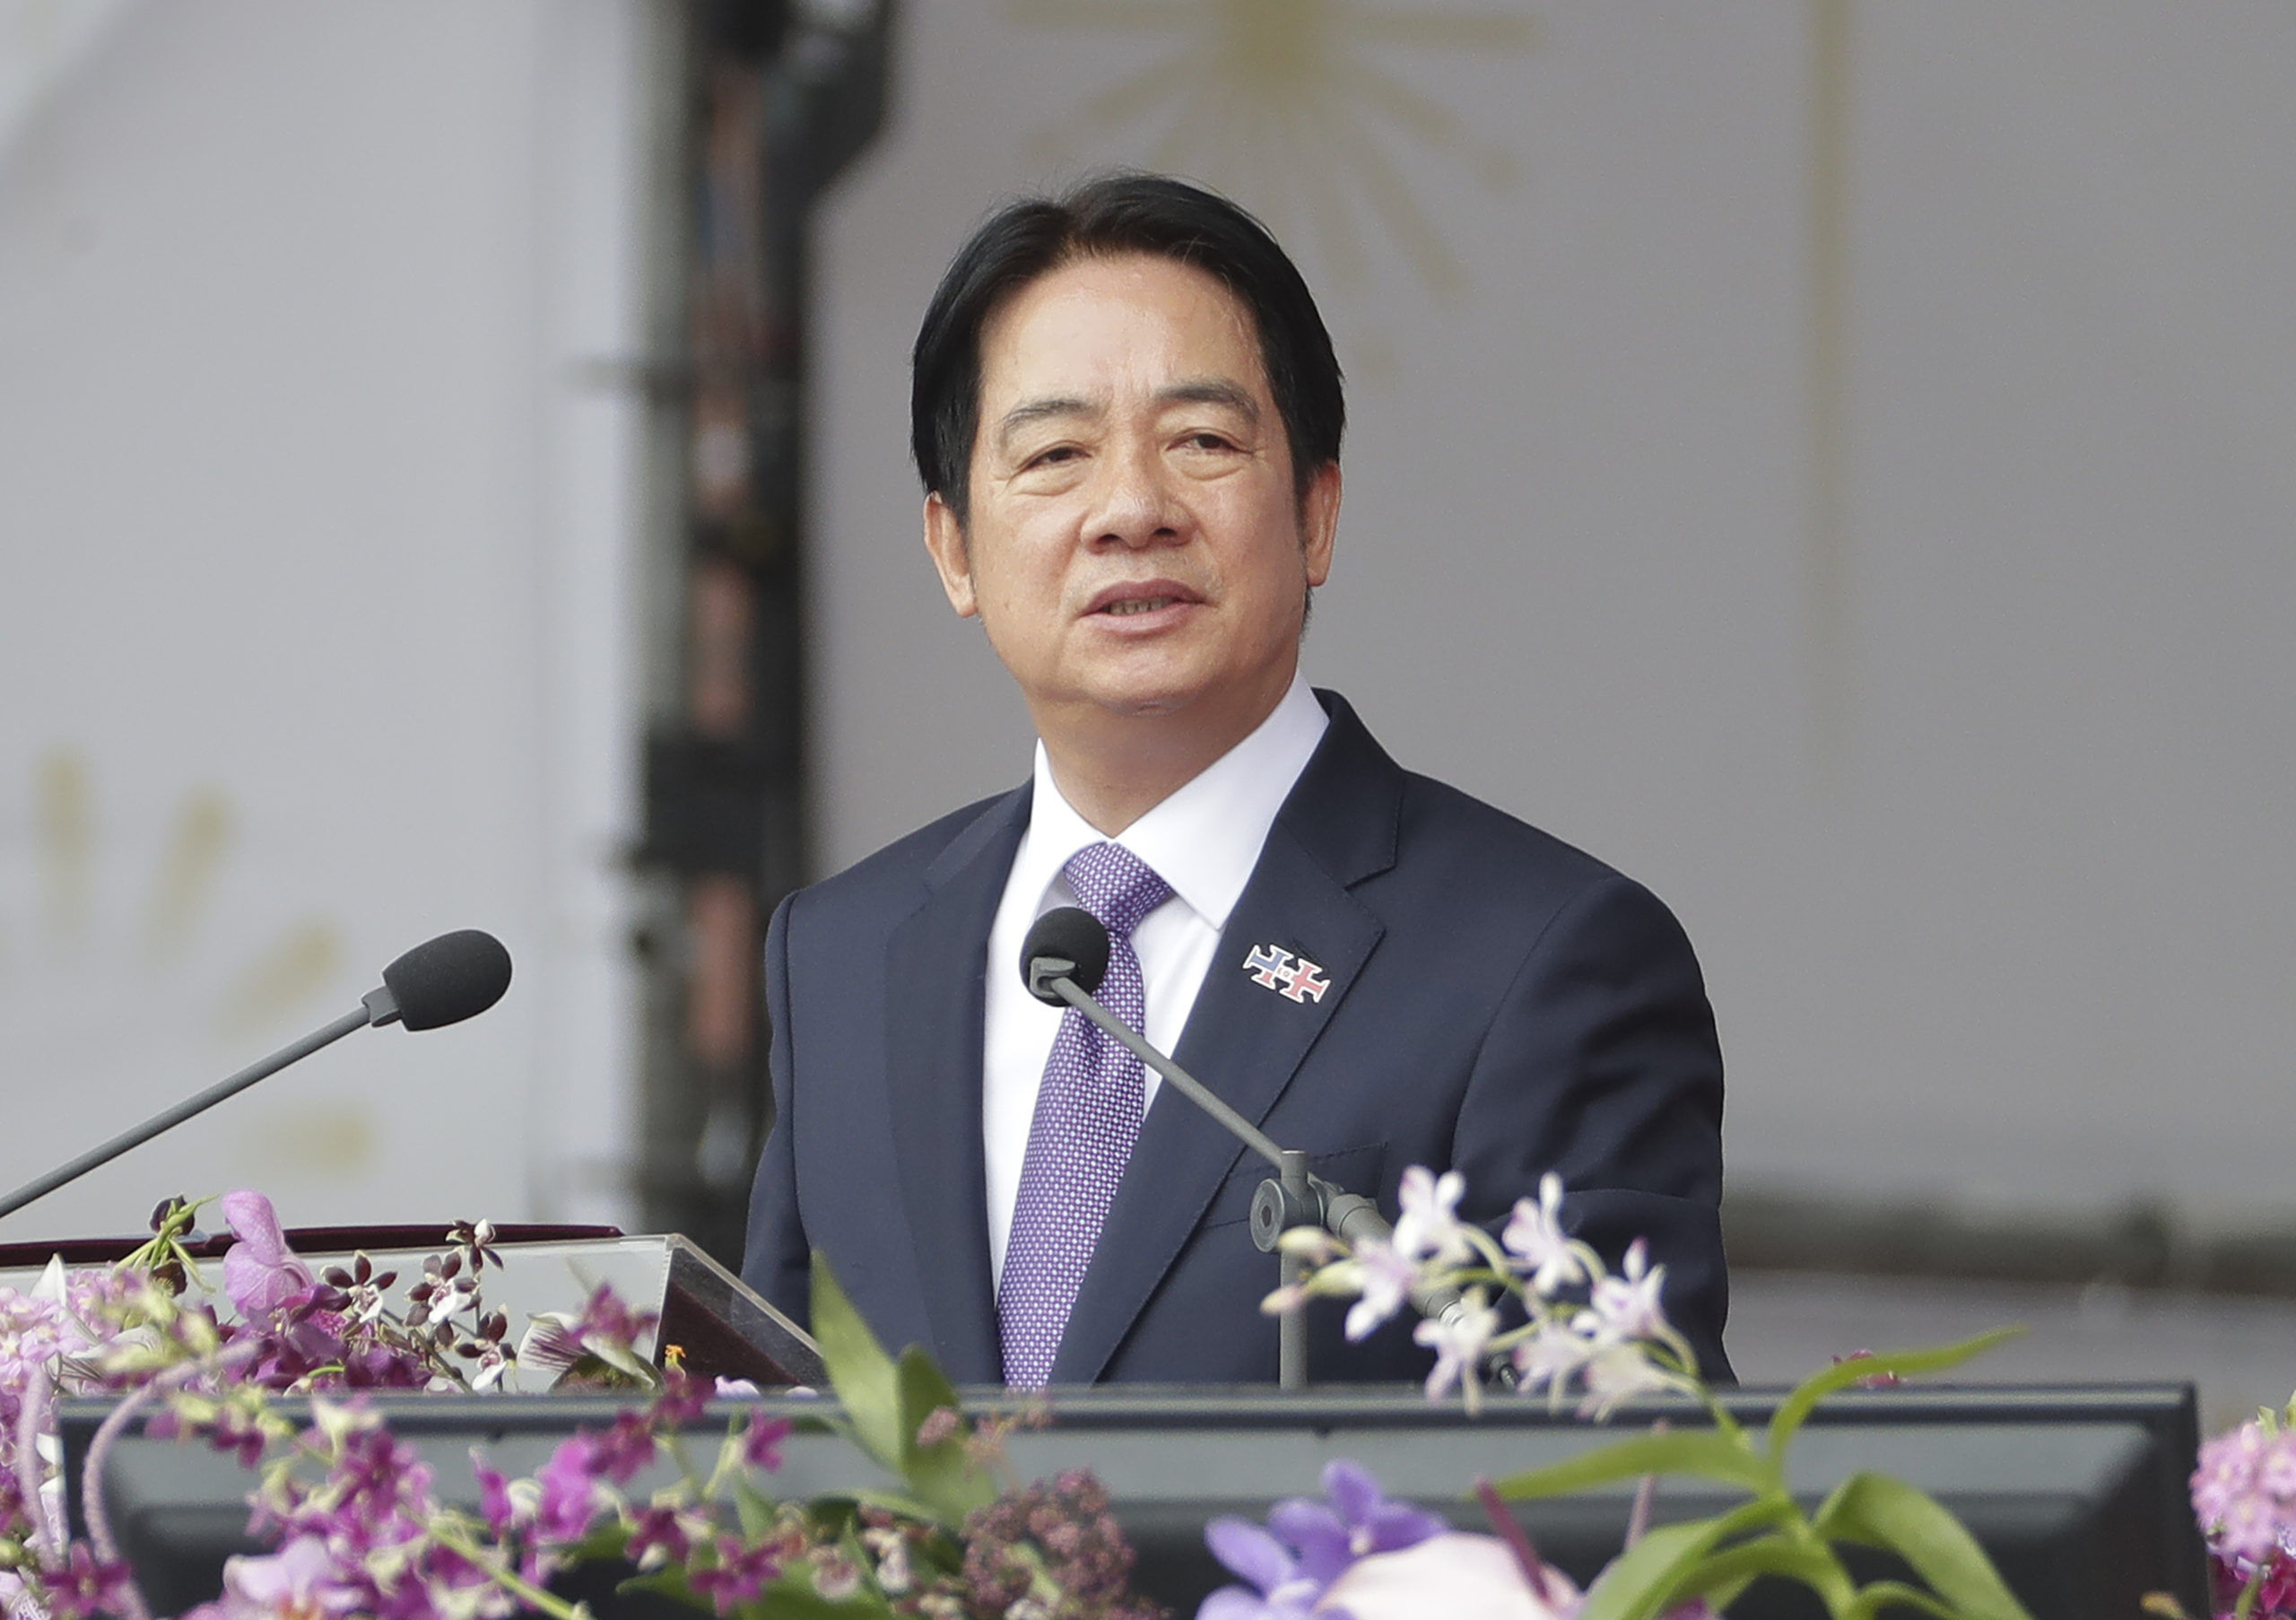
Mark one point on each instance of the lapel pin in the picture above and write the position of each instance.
(1294, 977)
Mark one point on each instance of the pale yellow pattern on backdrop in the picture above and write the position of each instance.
(1285, 104)
(1283, 100)
(68, 847)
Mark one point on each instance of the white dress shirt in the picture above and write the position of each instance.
(1204, 840)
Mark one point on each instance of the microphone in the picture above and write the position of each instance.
(441, 981)
(1070, 942)
(1063, 961)
(444, 980)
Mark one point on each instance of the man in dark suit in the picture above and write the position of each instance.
(1127, 415)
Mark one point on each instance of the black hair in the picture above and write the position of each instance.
(1118, 213)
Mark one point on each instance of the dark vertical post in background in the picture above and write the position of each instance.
(781, 97)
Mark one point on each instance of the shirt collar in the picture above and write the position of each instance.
(1205, 838)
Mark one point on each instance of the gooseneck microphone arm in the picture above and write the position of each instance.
(441, 981)
(1199, 1093)
(1069, 945)
(182, 1110)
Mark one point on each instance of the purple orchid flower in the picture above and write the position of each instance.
(659, 1533)
(1279, 1589)
(761, 1441)
(570, 1489)
(740, 1574)
(1359, 1520)
(86, 1586)
(300, 1578)
(496, 1504)
(260, 1272)
(622, 1451)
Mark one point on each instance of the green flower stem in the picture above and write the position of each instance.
(672, 1440)
(2246, 1605)
(1831, 1580)
(728, 1461)
(1723, 1422)
(166, 1244)
(1871, 1600)
(526, 1591)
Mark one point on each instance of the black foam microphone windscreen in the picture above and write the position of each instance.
(447, 980)
(1070, 934)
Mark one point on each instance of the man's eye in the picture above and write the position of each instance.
(1054, 457)
(1209, 441)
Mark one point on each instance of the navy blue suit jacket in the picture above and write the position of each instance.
(1501, 1004)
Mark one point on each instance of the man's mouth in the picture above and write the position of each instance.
(1134, 597)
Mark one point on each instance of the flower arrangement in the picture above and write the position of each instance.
(2244, 1494)
(1605, 1335)
(361, 1527)
(149, 1331)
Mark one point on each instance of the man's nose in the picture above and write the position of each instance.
(1138, 505)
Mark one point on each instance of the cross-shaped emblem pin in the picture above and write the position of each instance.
(1274, 968)
(1267, 965)
(1304, 981)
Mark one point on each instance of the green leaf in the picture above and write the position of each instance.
(1882, 1596)
(893, 1502)
(793, 1598)
(1637, 1583)
(1696, 1451)
(607, 1541)
(833, 1516)
(1903, 1364)
(944, 1474)
(1640, 1581)
(1721, 1577)
(863, 1375)
(925, 1389)
(754, 1510)
(1874, 1510)
(669, 1582)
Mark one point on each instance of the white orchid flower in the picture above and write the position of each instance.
(1427, 1227)
(1535, 1235)
(1459, 1339)
(1553, 1355)
(1627, 1306)
(1385, 1276)
(1616, 1373)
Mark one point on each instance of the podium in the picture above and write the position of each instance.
(2077, 1493)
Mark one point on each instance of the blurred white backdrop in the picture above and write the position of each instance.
(1972, 779)
(315, 622)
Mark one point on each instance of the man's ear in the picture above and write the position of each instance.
(944, 541)
(1319, 521)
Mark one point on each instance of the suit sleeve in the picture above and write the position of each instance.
(776, 1260)
(1603, 1066)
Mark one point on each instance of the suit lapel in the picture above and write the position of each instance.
(1244, 1041)
(934, 961)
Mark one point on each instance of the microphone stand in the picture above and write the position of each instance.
(440, 982)
(1291, 1197)
(184, 1110)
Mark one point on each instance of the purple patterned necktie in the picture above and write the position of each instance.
(1087, 1117)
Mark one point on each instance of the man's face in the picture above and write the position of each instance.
(1135, 545)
